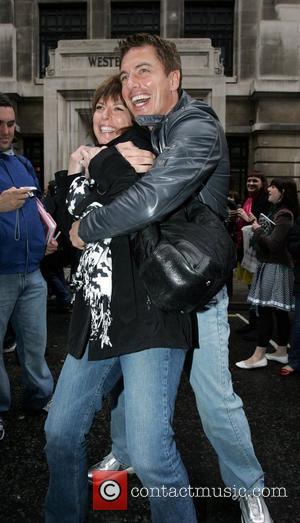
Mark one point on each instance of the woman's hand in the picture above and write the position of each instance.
(74, 237)
(255, 225)
(80, 159)
(252, 219)
(242, 214)
(51, 247)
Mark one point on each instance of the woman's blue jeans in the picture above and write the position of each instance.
(220, 409)
(151, 379)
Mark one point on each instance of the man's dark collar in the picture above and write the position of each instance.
(151, 120)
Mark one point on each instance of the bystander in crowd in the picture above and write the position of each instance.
(23, 290)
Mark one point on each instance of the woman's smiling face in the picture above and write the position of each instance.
(110, 119)
(274, 195)
(254, 184)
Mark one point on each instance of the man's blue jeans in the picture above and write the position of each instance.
(220, 409)
(151, 379)
(23, 298)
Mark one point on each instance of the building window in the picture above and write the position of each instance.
(60, 22)
(213, 20)
(134, 17)
(238, 153)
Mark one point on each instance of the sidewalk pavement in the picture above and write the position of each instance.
(271, 404)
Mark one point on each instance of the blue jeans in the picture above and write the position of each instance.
(23, 298)
(220, 409)
(294, 353)
(151, 379)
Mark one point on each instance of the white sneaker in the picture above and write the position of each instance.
(108, 463)
(10, 348)
(254, 509)
(47, 406)
(2, 428)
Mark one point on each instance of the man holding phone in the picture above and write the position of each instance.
(23, 291)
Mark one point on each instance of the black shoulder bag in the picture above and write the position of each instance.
(185, 260)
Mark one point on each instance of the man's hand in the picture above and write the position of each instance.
(75, 240)
(140, 159)
(12, 199)
(51, 247)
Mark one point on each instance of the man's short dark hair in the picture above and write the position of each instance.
(166, 51)
(5, 101)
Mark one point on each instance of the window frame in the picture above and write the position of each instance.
(207, 33)
(136, 29)
(64, 9)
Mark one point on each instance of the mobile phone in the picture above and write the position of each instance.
(31, 190)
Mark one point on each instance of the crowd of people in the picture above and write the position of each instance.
(133, 176)
(267, 235)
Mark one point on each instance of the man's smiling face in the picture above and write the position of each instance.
(7, 127)
(146, 88)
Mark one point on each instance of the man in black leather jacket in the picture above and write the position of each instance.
(192, 157)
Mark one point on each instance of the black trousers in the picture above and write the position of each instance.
(268, 317)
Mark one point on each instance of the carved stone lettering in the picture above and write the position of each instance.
(103, 61)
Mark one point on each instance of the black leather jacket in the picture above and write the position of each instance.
(192, 157)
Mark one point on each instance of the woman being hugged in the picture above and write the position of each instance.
(272, 285)
(115, 332)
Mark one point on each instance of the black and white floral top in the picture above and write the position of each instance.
(112, 310)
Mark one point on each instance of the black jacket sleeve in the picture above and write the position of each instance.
(194, 148)
(112, 174)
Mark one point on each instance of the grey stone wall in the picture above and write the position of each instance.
(262, 97)
(248, 21)
(24, 26)
(7, 51)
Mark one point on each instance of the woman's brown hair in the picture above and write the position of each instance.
(110, 88)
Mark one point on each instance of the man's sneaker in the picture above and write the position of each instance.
(10, 348)
(47, 406)
(2, 429)
(254, 509)
(108, 463)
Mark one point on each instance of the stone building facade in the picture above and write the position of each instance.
(241, 56)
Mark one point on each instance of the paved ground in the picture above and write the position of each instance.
(272, 406)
